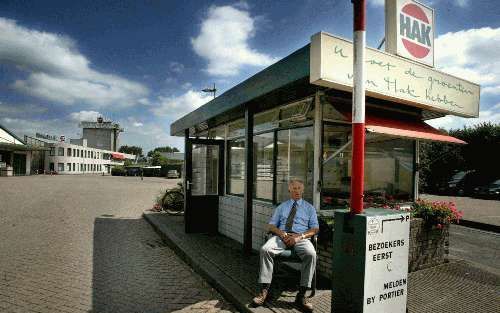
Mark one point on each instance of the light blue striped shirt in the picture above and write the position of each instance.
(305, 218)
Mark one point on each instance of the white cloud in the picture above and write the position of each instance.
(187, 85)
(149, 135)
(491, 115)
(176, 106)
(473, 55)
(22, 109)
(84, 116)
(224, 41)
(58, 72)
(462, 3)
(21, 126)
(176, 67)
(459, 3)
(376, 2)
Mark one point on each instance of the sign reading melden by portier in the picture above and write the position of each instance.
(409, 30)
(391, 77)
(370, 261)
(386, 263)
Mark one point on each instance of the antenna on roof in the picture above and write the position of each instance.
(214, 90)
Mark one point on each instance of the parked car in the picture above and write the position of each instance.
(463, 183)
(491, 190)
(459, 184)
(173, 174)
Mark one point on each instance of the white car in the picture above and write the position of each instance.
(172, 174)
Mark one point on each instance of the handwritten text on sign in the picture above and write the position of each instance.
(391, 77)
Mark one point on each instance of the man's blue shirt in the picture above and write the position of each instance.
(305, 218)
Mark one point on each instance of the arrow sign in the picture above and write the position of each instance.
(401, 219)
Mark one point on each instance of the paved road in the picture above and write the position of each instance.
(79, 244)
(479, 247)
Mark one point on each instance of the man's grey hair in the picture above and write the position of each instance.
(295, 180)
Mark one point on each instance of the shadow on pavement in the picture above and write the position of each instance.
(133, 271)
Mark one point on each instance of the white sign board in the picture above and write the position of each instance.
(409, 30)
(386, 264)
(391, 77)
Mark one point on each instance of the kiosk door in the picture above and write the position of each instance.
(204, 182)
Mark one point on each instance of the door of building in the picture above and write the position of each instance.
(19, 164)
(204, 182)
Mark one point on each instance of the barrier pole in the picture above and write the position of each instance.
(358, 107)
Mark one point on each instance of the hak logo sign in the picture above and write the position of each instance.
(411, 33)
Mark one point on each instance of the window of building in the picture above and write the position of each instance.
(69, 167)
(60, 151)
(388, 168)
(60, 167)
(294, 160)
(52, 151)
(263, 166)
(217, 133)
(236, 129)
(51, 167)
(73, 167)
(236, 170)
(266, 120)
(81, 167)
(68, 152)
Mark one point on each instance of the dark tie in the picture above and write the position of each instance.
(291, 216)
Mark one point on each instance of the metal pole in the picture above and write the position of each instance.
(249, 173)
(358, 108)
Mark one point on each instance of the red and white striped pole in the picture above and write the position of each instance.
(358, 108)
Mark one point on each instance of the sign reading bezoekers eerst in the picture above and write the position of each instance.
(391, 77)
(386, 265)
(370, 261)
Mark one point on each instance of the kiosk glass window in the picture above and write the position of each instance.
(236, 129)
(294, 160)
(388, 168)
(236, 170)
(263, 166)
(266, 121)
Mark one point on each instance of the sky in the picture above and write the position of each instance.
(143, 63)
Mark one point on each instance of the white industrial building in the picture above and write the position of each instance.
(77, 157)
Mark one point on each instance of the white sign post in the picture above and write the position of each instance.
(370, 261)
(386, 263)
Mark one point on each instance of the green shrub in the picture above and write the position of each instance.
(118, 171)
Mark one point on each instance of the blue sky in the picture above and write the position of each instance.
(143, 63)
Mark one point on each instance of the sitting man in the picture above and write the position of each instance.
(292, 223)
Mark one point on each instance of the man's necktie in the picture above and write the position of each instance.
(291, 216)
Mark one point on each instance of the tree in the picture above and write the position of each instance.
(135, 150)
(438, 161)
(158, 159)
(162, 149)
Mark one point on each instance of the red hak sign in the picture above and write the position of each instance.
(410, 30)
(415, 30)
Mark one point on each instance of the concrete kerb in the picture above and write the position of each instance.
(480, 226)
(229, 289)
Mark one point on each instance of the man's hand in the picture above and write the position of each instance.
(291, 239)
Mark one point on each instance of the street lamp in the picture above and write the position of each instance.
(210, 90)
